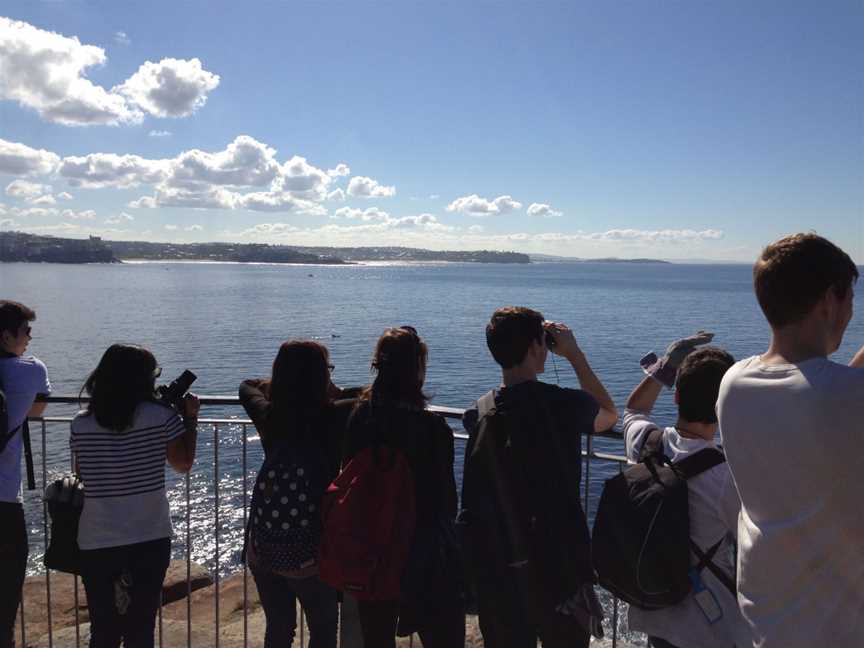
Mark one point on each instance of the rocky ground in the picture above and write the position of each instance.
(175, 614)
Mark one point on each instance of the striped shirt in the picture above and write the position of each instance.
(124, 477)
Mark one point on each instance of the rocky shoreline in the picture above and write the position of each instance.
(174, 613)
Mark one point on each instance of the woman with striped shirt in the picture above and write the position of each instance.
(121, 442)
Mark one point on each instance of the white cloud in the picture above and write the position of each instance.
(474, 205)
(122, 217)
(19, 159)
(56, 228)
(434, 196)
(339, 171)
(277, 202)
(475, 229)
(302, 179)
(8, 223)
(244, 162)
(46, 71)
(64, 195)
(87, 214)
(98, 170)
(337, 195)
(365, 215)
(269, 229)
(369, 188)
(47, 199)
(25, 189)
(159, 133)
(426, 222)
(144, 202)
(169, 88)
(209, 198)
(172, 228)
(542, 210)
(121, 38)
(193, 228)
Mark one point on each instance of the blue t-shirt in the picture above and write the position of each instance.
(22, 379)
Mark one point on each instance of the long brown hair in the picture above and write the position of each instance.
(399, 357)
(298, 389)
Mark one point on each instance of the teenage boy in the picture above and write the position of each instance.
(713, 501)
(546, 426)
(22, 379)
(792, 427)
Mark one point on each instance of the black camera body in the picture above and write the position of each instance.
(172, 394)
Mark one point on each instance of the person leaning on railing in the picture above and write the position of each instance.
(120, 444)
(301, 430)
(21, 379)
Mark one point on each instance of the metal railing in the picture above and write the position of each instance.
(218, 424)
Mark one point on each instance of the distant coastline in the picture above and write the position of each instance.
(30, 248)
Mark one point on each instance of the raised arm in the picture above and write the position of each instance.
(858, 359)
(566, 347)
(642, 398)
(180, 451)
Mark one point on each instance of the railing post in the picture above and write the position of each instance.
(245, 570)
(45, 536)
(216, 493)
(188, 561)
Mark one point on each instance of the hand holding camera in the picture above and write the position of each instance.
(177, 396)
(665, 369)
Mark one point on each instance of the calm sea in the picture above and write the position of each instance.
(226, 321)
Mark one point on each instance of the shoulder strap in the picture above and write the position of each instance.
(699, 462)
(705, 560)
(652, 445)
(485, 404)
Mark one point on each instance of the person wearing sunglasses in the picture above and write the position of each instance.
(22, 379)
(121, 442)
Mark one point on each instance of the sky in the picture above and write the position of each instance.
(675, 130)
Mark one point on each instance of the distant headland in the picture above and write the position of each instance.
(22, 247)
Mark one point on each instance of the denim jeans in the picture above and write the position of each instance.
(279, 596)
(13, 559)
(110, 576)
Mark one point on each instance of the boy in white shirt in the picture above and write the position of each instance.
(792, 428)
(713, 502)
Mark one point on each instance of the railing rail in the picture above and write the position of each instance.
(217, 423)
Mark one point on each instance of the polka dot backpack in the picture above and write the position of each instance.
(284, 520)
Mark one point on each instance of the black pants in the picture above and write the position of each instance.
(124, 587)
(279, 596)
(503, 624)
(13, 563)
(378, 623)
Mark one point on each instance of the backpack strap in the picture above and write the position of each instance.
(698, 462)
(652, 445)
(485, 405)
(705, 561)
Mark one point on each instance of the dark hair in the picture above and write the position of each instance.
(510, 332)
(794, 273)
(298, 389)
(698, 383)
(399, 356)
(124, 379)
(13, 315)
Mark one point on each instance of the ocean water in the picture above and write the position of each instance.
(226, 321)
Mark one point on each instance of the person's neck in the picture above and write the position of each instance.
(794, 344)
(5, 353)
(517, 374)
(693, 430)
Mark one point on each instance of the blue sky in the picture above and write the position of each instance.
(676, 130)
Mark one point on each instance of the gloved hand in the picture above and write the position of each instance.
(585, 607)
(665, 369)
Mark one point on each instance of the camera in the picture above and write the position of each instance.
(550, 340)
(172, 394)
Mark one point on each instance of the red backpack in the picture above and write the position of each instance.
(368, 515)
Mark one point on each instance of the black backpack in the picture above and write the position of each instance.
(519, 523)
(641, 538)
(5, 433)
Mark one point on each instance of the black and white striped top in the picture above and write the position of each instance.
(124, 477)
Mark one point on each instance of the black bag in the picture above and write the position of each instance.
(65, 500)
(520, 523)
(6, 433)
(641, 538)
